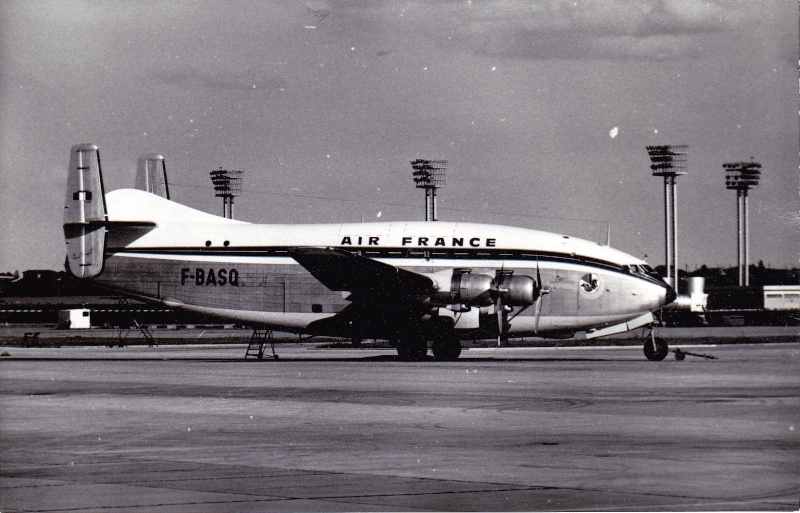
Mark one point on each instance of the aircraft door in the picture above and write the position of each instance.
(561, 304)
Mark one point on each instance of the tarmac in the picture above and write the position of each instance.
(195, 428)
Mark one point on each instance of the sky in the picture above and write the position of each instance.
(543, 110)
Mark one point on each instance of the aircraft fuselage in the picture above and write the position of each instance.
(245, 272)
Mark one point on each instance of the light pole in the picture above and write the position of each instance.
(429, 175)
(741, 177)
(670, 162)
(227, 185)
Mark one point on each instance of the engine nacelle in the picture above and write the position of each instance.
(459, 288)
(517, 290)
(471, 289)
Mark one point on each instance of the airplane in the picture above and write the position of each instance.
(412, 283)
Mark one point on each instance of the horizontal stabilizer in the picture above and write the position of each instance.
(85, 213)
(151, 175)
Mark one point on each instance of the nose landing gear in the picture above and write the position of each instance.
(655, 348)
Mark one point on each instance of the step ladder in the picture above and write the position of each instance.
(258, 343)
(144, 330)
(31, 339)
(151, 341)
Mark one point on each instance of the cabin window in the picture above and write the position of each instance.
(316, 308)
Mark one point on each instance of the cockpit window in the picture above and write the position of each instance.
(642, 269)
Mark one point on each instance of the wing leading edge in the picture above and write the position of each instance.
(362, 276)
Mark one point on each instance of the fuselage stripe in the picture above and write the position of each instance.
(398, 253)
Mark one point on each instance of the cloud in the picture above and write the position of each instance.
(219, 79)
(616, 29)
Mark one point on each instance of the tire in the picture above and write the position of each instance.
(446, 346)
(412, 348)
(656, 349)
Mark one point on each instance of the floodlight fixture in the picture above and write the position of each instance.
(668, 160)
(742, 175)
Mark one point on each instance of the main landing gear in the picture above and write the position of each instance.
(413, 345)
(446, 346)
(655, 348)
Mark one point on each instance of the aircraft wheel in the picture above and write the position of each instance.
(656, 349)
(446, 347)
(412, 348)
(680, 355)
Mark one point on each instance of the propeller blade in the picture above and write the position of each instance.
(538, 279)
(540, 291)
(498, 306)
(537, 314)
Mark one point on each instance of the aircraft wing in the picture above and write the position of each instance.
(363, 277)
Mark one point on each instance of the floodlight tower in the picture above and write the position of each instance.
(670, 162)
(741, 177)
(227, 185)
(429, 175)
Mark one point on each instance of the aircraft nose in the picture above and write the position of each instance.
(671, 295)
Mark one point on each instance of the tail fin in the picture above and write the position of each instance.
(151, 175)
(85, 213)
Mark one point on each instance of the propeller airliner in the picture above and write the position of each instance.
(417, 284)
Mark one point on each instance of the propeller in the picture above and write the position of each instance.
(540, 292)
(505, 288)
(503, 322)
(497, 291)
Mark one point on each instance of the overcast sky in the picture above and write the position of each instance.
(543, 109)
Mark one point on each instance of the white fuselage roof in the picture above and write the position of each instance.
(181, 226)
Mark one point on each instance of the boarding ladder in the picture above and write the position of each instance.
(144, 330)
(146, 333)
(258, 343)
